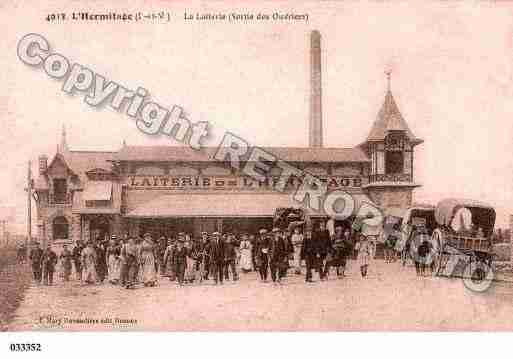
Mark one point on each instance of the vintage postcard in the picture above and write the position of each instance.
(256, 166)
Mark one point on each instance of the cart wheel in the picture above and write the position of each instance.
(439, 259)
(477, 276)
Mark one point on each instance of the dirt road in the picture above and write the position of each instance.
(390, 298)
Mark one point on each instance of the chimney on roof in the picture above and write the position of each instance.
(64, 144)
(315, 123)
(43, 164)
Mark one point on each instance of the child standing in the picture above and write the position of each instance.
(364, 254)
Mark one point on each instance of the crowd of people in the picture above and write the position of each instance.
(145, 260)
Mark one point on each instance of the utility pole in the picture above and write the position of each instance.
(29, 206)
(4, 238)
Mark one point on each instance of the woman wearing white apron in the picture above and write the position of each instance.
(88, 258)
(245, 248)
(148, 272)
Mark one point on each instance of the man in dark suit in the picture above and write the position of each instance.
(262, 254)
(310, 251)
(49, 260)
(277, 255)
(217, 253)
(180, 260)
(322, 236)
(230, 256)
(35, 257)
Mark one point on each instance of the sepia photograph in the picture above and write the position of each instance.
(256, 167)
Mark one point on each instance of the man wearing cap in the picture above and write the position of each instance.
(277, 255)
(216, 253)
(35, 259)
(262, 254)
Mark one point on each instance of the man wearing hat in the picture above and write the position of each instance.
(180, 259)
(216, 253)
(230, 256)
(204, 259)
(277, 255)
(323, 239)
(35, 259)
(49, 260)
(310, 252)
(262, 254)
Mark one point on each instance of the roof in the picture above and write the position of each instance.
(290, 154)
(446, 209)
(82, 161)
(60, 157)
(390, 119)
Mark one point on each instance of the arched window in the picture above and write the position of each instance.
(60, 228)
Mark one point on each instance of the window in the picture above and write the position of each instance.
(60, 228)
(60, 190)
(394, 162)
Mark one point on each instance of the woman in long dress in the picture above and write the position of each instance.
(113, 261)
(191, 258)
(88, 258)
(168, 260)
(130, 252)
(148, 273)
(246, 263)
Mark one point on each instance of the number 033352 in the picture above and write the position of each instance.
(25, 347)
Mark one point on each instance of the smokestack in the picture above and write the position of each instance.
(315, 125)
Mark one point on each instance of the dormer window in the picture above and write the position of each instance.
(60, 190)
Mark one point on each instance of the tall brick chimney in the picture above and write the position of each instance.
(315, 122)
(43, 164)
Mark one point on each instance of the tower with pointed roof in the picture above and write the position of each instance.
(390, 146)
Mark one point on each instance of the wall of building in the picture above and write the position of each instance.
(391, 197)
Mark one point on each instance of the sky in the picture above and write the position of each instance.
(452, 78)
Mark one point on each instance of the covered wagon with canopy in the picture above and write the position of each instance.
(464, 228)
